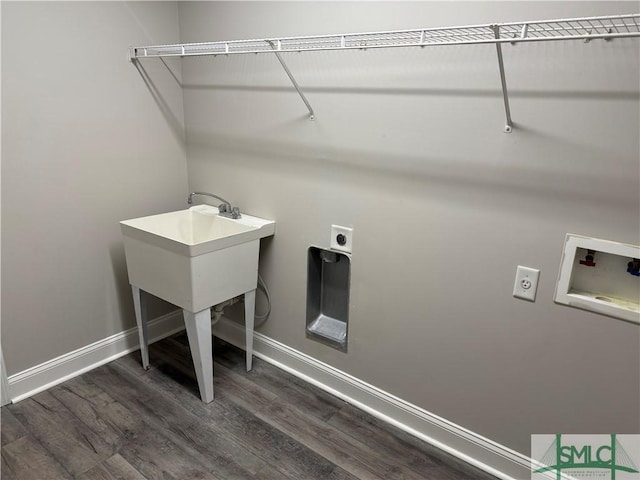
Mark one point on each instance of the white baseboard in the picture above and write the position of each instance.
(46, 375)
(468, 446)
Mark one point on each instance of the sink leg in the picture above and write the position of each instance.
(199, 332)
(249, 318)
(140, 306)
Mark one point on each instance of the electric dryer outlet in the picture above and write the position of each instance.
(341, 238)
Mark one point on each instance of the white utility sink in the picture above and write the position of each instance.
(198, 230)
(195, 259)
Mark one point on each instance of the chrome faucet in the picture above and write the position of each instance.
(225, 208)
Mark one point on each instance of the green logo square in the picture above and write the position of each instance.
(585, 457)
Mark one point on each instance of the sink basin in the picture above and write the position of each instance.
(194, 258)
(196, 231)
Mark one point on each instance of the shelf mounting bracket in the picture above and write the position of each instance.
(508, 125)
(293, 80)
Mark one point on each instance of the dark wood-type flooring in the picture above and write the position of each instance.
(121, 422)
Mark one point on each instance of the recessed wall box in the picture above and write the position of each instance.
(328, 284)
(603, 284)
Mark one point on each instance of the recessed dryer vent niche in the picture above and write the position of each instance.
(601, 276)
(328, 284)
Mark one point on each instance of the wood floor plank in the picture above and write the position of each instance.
(227, 382)
(104, 412)
(292, 458)
(26, 459)
(425, 460)
(391, 441)
(114, 468)
(341, 474)
(242, 432)
(319, 438)
(241, 390)
(92, 405)
(11, 428)
(155, 456)
(75, 446)
(246, 396)
(146, 418)
(308, 398)
(228, 355)
(173, 352)
(203, 435)
(269, 473)
(253, 435)
(4, 467)
(349, 420)
(220, 453)
(182, 388)
(352, 455)
(133, 362)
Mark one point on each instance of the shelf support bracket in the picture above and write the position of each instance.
(508, 126)
(293, 80)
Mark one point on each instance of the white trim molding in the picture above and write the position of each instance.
(4, 382)
(460, 442)
(48, 374)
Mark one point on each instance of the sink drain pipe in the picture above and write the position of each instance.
(218, 310)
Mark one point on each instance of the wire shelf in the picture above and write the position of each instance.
(587, 28)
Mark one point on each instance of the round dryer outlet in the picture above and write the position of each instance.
(341, 238)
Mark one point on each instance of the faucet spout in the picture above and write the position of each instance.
(224, 207)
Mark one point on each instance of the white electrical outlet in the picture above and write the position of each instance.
(341, 238)
(526, 283)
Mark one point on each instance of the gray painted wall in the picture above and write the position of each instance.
(408, 149)
(85, 143)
